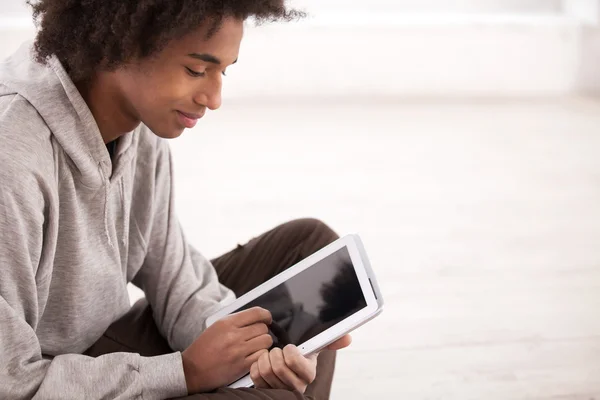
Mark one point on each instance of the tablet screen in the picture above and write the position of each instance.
(313, 300)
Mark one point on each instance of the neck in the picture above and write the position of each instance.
(108, 106)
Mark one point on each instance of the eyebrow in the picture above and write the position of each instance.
(208, 58)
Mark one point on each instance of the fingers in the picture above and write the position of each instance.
(266, 372)
(287, 369)
(253, 358)
(284, 373)
(305, 368)
(251, 316)
(344, 341)
(259, 382)
(254, 330)
(258, 343)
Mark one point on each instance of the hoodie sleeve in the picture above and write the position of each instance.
(180, 284)
(28, 227)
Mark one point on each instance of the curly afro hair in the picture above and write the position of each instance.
(89, 35)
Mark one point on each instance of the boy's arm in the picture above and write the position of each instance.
(180, 284)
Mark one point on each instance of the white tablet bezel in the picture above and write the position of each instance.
(366, 279)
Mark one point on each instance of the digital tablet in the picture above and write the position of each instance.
(316, 301)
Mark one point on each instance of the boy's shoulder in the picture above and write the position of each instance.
(25, 140)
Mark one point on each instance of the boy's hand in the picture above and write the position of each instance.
(288, 368)
(226, 350)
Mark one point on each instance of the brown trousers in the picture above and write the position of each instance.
(241, 270)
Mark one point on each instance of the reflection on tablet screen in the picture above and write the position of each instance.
(313, 300)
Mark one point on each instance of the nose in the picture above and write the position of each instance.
(209, 95)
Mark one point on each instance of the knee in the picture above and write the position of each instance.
(319, 232)
(313, 224)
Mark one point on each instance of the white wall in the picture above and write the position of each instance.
(446, 59)
(12, 7)
(589, 72)
(428, 6)
(394, 5)
(425, 48)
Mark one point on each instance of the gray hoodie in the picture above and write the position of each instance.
(75, 228)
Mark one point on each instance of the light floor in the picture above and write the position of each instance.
(482, 222)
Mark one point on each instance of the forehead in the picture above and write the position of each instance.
(224, 43)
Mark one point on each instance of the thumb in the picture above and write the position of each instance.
(340, 343)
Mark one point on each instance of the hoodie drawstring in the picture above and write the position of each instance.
(106, 200)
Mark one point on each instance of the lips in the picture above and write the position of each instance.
(189, 120)
(192, 116)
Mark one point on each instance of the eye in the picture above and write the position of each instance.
(195, 74)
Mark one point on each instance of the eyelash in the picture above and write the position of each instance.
(200, 74)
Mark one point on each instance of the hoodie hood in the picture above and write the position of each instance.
(50, 90)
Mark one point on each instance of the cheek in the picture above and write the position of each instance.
(158, 87)
(153, 103)
(166, 96)
(155, 94)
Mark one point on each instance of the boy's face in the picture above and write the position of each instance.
(172, 90)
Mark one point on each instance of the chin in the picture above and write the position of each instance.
(171, 133)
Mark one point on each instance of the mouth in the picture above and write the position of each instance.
(189, 120)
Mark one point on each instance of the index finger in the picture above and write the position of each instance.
(251, 316)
